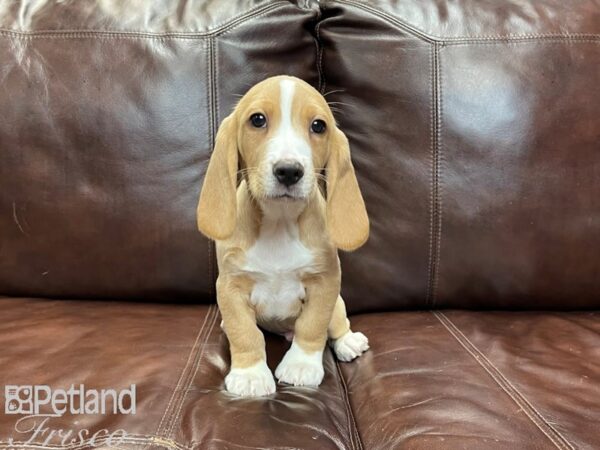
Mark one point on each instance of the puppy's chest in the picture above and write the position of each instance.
(277, 262)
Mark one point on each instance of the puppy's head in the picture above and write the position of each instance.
(282, 138)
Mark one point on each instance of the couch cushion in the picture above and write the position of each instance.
(177, 356)
(479, 380)
(474, 128)
(108, 115)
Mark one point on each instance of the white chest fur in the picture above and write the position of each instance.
(276, 262)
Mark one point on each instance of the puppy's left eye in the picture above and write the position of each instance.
(318, 126)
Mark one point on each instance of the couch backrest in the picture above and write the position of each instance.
(475, 131)
(107, 117)
(475, 128)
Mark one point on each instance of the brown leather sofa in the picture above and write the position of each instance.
(475, 131)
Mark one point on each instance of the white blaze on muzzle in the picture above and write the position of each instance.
(288, 168)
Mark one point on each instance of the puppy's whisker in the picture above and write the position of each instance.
(340, 104)
(247, 171)
(333, 92)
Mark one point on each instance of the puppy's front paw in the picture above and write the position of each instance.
(254, 381)
(350, 345)
(300, 368)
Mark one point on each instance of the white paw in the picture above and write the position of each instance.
(350, 345)
(254, 381)
(301, 368)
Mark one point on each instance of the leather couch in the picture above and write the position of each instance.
(475, 132)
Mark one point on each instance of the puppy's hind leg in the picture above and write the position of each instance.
(346, 344)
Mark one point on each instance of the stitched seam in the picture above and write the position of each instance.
(431, 184)
(320, 51)
(432, 202)
(215, 80)
(159, 430)
(439, 98)
(211, 140)
(211, 144)
(550, 40)
(355, 438)
(218, 29)
(391, 19)
(214, 118)
(520, 400)
(165, 420)
(419, 33)
(132, 439)
(169, 424)
(193, 374)
(260, 13)
(435, 215)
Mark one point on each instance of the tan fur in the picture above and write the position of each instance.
(230, 211)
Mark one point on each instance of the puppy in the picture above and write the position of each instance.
(280, 197)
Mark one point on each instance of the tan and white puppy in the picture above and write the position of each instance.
(280, 197)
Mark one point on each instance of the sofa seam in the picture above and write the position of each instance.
(213, 125)
(504, 384)
(427, 37)
(549, 40)
(189, 378)
(355, 439)
(211, 140)
(413, 31)
(177, 389)
(180, 392)
(320, 51)
(432, 164)
(438, 171)
(218, 30)
(171, 431)
(435, 215)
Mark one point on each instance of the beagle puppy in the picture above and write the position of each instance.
(280, 197)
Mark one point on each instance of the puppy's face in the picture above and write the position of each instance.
(282, 138)
(284, 128)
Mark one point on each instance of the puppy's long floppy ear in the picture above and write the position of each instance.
(217, 210)
(347, 218)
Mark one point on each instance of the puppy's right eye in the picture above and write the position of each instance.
(258, 120)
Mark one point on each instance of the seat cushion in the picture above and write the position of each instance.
(431, 379)
(177, 357)
(484, 380)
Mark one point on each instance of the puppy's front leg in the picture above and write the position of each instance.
(302, 365)
(249, 375)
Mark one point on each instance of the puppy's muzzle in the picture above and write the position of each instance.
(288, 173)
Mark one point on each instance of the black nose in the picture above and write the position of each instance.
(288, 173)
